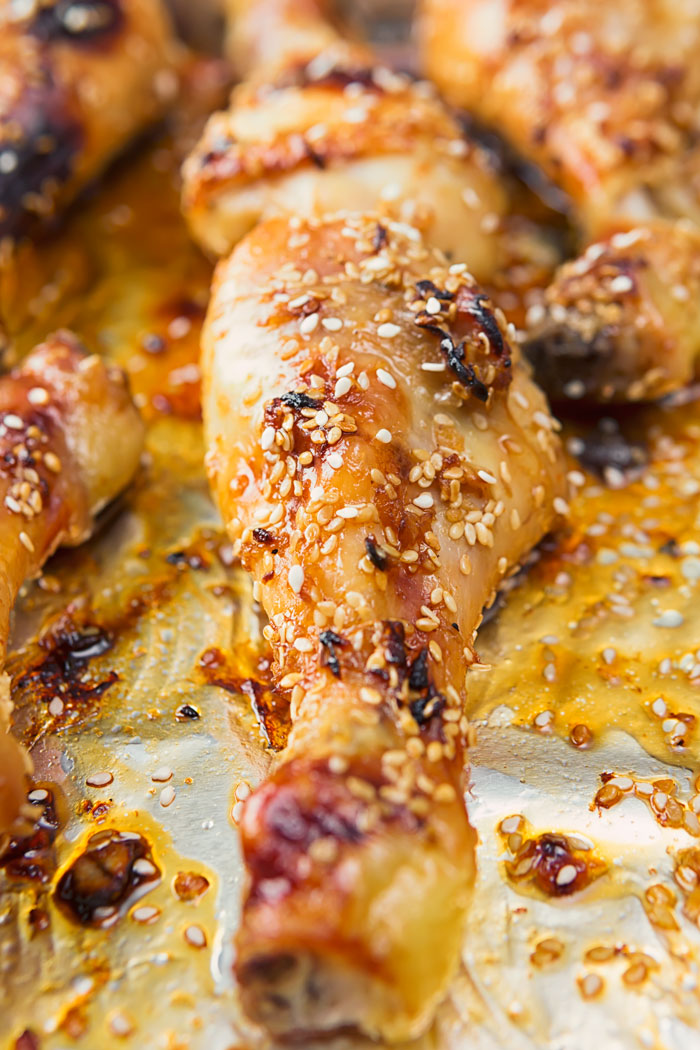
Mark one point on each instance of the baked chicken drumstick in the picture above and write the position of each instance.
(605, 100)
(382, 460)
(70, 441)
(78, 80)
(319, 127)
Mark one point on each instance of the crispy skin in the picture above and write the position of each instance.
(605, 100)
(622, 322)
(319, 128)
(70, 440)
(356, 502)
(77, 82)
(602, 97)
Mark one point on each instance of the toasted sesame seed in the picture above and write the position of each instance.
(345, 370)
(309, 324)
(433, 366)
(384, 436)
(332, 324)
(268, 438)
(52, 462)
(566, 875)
(433, 305)
(38, 396)
(424, 501)
(386, 378)
(335, 460)
(25, 541)
(145, 914)
(167, 796)
(560, 505)
(99, 780)
(388, 330)
(13, 422)
(196, 937)
(485, 476)
(162, 774)
(669, 618)
(363, 381)
(343, 385)
(295, 576)
(622, 283)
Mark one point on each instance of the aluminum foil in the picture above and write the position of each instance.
(133, 660)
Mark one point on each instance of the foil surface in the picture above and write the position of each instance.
(585, 711)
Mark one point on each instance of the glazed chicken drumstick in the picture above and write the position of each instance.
(605, 99)
(319, 127)
(382, 460)
(70, 441)
(77, 82)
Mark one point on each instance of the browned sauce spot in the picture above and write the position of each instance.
(190, 885)
(270, 708)
(554, 865)
(100, 884)
(32, 857)
(39, 920)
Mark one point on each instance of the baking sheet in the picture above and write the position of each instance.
(574, 644)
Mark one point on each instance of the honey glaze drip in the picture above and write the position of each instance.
(556, 864)
(115, 869)
(31, 857)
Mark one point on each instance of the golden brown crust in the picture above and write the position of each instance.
(622, 322)
(325, 137)
(78, 81)
(382, 460)
(70, 439)
(603, 98)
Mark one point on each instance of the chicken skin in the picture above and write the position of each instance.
(70, 441)
(319, 127)
(382, 460)
(605, 101)
(78, 81)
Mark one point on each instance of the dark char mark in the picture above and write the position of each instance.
(298, 401)
(329, 658)
(43, 152)
(77, 21)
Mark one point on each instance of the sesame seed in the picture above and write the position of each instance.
(52, 462)
(424, 501)
(25, 541)
(343, 385)
(335, 460)
(388, 330)
(162, 774)
(295, 577)
(13, 422)
(38, 396)
(386, 378)
(433, 366)
(669, 618)
(99, 780)
(332, 324)
(347, 512)
(145, 914)
(566, 875)
(56, 706)
(268, 438)
(485, 476)
(659, 707)
(196, 937)
(623, 283)
(384, 436)
(309, 324)
(560, 505)
(167, 796)
(363, 381)
(301, 300)
(433, 305)
(345, 370)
